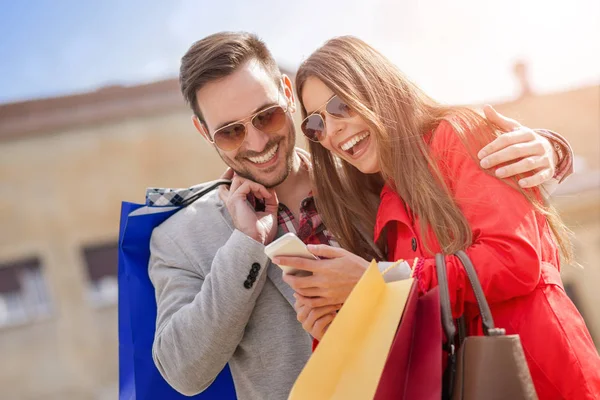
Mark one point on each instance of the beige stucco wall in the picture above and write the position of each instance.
(576, 115)
(59, 193)
(62, 191)
(581, 212)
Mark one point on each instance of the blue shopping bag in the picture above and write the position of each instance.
(139, 379)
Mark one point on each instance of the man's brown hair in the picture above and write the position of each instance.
(217, 56)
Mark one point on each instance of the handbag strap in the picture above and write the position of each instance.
(448, 326)
(447, 322)
(487, 321)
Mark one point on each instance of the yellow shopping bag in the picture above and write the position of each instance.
(348, 362)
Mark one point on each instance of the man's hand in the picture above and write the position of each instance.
(526, 151)
(332, 279)
(260, 226)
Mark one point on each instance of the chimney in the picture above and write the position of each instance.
(522, 74)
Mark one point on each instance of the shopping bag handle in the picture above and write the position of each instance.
(201, 193)
(487, 320)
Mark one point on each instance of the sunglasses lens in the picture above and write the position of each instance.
(313, 127)
(270, 120)
(231, 137)
(339, 109)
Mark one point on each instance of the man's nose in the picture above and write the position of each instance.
(255, 140)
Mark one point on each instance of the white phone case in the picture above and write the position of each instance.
(289, 245)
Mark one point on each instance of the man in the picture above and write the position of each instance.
(219, 298)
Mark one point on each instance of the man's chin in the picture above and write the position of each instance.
(272, 180)
(276, 182)
(268, 178)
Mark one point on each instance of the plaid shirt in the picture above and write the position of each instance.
(310, 229)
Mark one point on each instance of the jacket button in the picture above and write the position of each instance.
(255, 267)
(247, 284)
(253, 274)
(413, 242)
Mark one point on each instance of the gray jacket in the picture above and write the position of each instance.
(211, 312)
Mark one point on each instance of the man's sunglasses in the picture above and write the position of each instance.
(269, 120)
(313, 126)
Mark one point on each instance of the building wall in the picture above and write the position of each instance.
(60, 192)
(581, 212)
(576, 115)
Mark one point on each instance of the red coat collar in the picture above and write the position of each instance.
(391, 208)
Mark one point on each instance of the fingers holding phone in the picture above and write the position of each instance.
(289, 245)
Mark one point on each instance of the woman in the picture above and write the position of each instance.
(388, 159)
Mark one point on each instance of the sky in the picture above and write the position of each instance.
(459, 52)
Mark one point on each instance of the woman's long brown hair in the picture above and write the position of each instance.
(399, 115)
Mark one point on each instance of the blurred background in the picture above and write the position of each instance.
(91, 114)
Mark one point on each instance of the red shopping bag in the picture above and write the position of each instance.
(413, 369)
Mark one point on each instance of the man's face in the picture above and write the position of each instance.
(236, 97)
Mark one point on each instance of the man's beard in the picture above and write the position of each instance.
(288, 159)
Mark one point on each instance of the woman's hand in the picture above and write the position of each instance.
(315, 321)
(332, 279)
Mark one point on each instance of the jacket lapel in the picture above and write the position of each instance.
(275, 274)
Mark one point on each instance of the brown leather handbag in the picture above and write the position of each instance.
(487, 367)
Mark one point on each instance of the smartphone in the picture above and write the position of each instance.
(290, 245)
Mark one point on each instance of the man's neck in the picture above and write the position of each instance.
(297, 184)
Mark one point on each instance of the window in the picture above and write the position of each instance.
(102, 261)
(23, 293)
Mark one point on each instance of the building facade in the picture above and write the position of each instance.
(67, 163)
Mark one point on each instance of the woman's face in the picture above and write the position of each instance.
(349, 138)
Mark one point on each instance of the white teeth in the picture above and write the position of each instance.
(265, 157)
(351, 143)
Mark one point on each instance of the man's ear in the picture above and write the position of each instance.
(288, 90)
(200, 127)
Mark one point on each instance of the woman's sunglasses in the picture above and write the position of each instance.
(313, 126)
(269, 120)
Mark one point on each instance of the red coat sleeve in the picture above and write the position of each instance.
(506, 247)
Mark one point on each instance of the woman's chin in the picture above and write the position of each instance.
(369, 170)
(368, 163)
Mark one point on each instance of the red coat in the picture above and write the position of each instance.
(518, 265)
